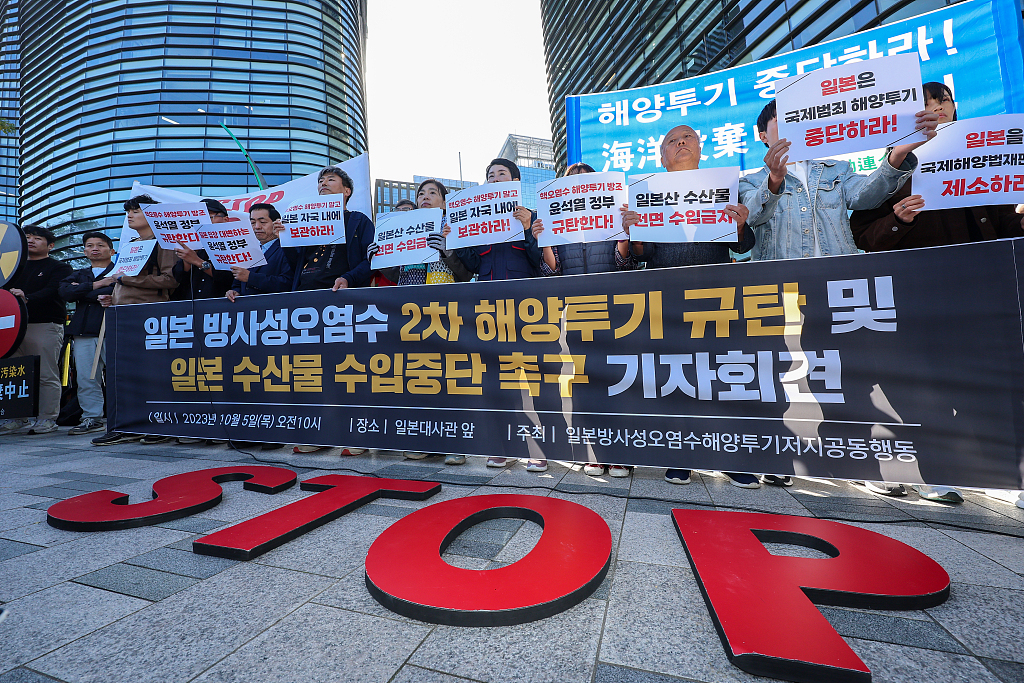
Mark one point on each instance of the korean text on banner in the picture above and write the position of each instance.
(685, 206)
(582, 208)
(972, 162)
(973, 47)
(402, 238)
(232, 244)
(484, 215)
(850, 108)
(133, 259)
(173, 223)
(314, 221)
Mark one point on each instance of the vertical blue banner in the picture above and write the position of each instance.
(974, 47)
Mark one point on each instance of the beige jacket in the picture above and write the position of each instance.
(154, 284)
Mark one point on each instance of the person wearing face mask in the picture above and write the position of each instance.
(901, 222)
(580, 259)
(431, 194)
(680, 151)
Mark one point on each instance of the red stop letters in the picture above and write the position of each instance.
(405, 572)
(762, 604)
(173, 497)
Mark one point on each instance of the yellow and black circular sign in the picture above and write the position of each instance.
(13, 250)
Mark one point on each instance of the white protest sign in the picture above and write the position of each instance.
(280, 196)
(684, 206)
(313, 221)
(852, 107)
(582, 208)
(173, 223)
(131, 260)
(483, 215)
(232, 244)
(973, 162)
(402, 238)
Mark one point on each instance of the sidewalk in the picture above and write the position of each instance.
(137, 605)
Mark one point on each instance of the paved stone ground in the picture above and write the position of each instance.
(138, 605)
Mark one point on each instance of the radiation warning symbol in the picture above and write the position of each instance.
(13, 249)
(13, 323)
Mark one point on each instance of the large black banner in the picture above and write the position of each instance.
(903, 366)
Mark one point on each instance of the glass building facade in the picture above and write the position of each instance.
(9, 56)
(604, 45)
(387, 193)
(116, 91)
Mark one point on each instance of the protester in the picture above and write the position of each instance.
(84, 287)
(338, 266)
(580, 259)
(902, 223)
(194, 270)
(276, 274)
(404, 205)
(506, 261)
(37, 284)
(802, 209)
(431, 194)
(680, 151)
(154, 284)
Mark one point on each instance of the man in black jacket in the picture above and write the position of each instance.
(37, 286)
(84, 286)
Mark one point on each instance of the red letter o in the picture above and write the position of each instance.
(405, 572)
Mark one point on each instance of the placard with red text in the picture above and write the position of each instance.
(851, 108)
(684, 206)
(173, 223)
(133, 258)
(319, 220)
(582, 208)
(972, 162)
(402, 238)
(232, 244)
(483, 215)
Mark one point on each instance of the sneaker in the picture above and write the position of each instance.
(941, 494)
(353, 451)
(885, 488)
(677, 476)
(415, 455)
(500, 462)
(151, 439)
(115, 437)
(536, 465)
(594, 469)
(308, 449)
(743, 480)
(89, 426)
(776, 480)
(454, 459)
(13, 426)
(43, 427)
(187, 440)
(618, 471)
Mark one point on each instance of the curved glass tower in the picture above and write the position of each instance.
(114, 91)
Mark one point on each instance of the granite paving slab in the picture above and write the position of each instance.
(989, 621)
(23, 675)
(186, 563)
(321, 643)
(525, 653)
(19, 517)
(178, 638)
(900, 664)
(416, 674)
(44, 621)
(1008, 672)
(888, 629)
(138, 582)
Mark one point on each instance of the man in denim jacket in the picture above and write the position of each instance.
(803, 210)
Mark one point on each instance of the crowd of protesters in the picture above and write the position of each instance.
(786, 210)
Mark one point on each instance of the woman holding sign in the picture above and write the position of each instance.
(901, 222)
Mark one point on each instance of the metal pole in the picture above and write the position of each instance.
(460, 167)
(252, 164)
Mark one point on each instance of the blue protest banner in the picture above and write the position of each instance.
(974, 47)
